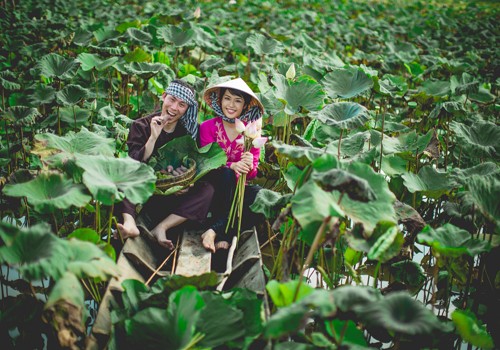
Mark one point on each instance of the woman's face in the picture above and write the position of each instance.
(232, 105)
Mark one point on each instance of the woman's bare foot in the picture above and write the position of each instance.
(208, 240)
(160, 233)
(221, 245)
(127, 229)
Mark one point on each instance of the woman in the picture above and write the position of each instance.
(230, 101)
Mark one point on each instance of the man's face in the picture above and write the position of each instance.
(173, 108)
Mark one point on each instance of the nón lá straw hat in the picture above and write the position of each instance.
(211, 94)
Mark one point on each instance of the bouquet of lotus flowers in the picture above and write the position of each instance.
(251, 138)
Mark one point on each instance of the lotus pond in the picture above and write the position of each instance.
(382, 178)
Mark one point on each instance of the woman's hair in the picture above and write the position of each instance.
(246, 97)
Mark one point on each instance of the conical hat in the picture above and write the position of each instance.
(237, 84)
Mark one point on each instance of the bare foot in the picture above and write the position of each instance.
(126, 230)
(160, 233)
(208, 240)
(221, 245)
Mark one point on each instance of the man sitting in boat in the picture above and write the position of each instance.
(178, 117)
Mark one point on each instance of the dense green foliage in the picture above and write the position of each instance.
(381, 181)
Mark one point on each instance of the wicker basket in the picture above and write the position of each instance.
(179, 180)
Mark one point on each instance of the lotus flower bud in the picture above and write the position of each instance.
(290, 73)
(251, 130)
(240, 141)
(259, 142)
(240, 127)
(197, 13)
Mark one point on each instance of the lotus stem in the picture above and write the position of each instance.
(340, 141)
(375, 274)
(110, 221)
(381, 143)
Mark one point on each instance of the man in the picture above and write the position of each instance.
(178, 117)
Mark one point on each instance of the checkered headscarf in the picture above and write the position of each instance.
(190, 119)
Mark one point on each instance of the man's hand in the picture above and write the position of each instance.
(157, 124)
(184, 190)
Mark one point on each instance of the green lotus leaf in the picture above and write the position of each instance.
(481, 137)
(370, 213)
(71, 94)
(482, 96)
(85, 259)
(82, 37)
(409, 142)
(285, 294)
(392, 85)
(72, 145)
(54, 65)
(212, 63)
(472, 330)
(106, 33)
(112, 179)
(207, 158)
(405, 51)
(337, 179)
(139, 36)
(451, 241)
(344, 115)
(50, 192)
(269, 203)
(42, 94)
(399, 312)
(409, 273)
(429, 181)
(394, 165)
(351, 298)
(91, 61)
(298, 155)
(387, 245)
(346, 82)
(483, 193)
(86, 235)
(66, 296)
(205, 37)
(6, 83)
(138, 55)
(176, 35)
(347, 333)
(174, 328)
(304, 92)
(310, 44)
(74, 115)
(21, 115)
(35, 251)
(485, 169)
(263, 45)
(145, 69)
(436, 88)
(172, 283)
(466, 85)
(449, 106)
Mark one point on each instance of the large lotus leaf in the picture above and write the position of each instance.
(220, 322)
(468, 84)
(410, 142)
(139, 36)
(436, 88)
(337, 179)
(298, 155)
(171, 283)
(54, 65)
(50, 192)
(207, 158)
(482, 96)
(71, 94)
(205, 36)
(85, 259)
(351, 146)
(59, 149)
(484, 192)
(174, 328)
(138, 55)
(112, 179)
(405, 51)
(370, 213)
(392, 85)
(176, 35)
(6, 83)
(351, 298)
(387, 245)
(319, 303)
(145, 68)
(399, 312)
(21, 115)
(344, 115)
(449, 106)
(430, 181)
(69, 115)
(347, 333)
(42, 94)
(35, 251)
(481, 137)
(269, 203)
(310, 44)
(311, 205)
(472, 330)
(212, 63)
(346, 82)
(251, 305)
(451, 241)
(68, 291)
(304, 92)
(285, 294)
(409, 273)
(394, 165)
(91, 61)
(484, 169)
(263, 45)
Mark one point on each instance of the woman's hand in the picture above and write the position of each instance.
(247, 158)
(240, 167)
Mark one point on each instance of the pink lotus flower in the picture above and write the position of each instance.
(240, 141)
(240, 127)
(259, 142)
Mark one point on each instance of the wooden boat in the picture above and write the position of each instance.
(144, 260)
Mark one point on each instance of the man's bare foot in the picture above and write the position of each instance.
(208, 240)
(221, 245)
(160, 233)
(126, 230)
